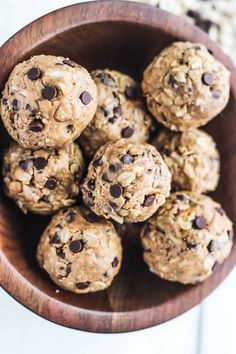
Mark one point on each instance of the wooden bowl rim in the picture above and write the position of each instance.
(71, 17)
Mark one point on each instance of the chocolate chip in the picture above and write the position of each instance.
(191, 245)
(182, 197)
(23, 165)
(112, 204)
(105, 274)
(132, 92)
(105, 177)
(92, 218)
(114, 168)
(104, 111)
(40, 163)
(49, 92)
(112, 120)
(117, 110)
(70, 217)
(83, 285)
(76, 246)
(127, 132)
(60, 253)
(36, 125)
(97, 162)
(27, 106)
(69, 63)
(210, 51)
(127, 159)
(211, 246)
(115, 262)
(34, 111)
(199, 223)
(91, 184)
(106, 79)
(15, 104)
(116, 190)
(51, 183)
(220, 211)
(207, 79)
(231, 234)
(70, 128)
(149, 200)
(216, 93)
(4, 101)
(34, 73)
(55, 239)
(85, 97)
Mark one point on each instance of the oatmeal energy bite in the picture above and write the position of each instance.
(187, 238)
(42, 181)
(120, 113)
(192, 158)
(126, 182)
(48, 101)
(185, 86)
(80, 251)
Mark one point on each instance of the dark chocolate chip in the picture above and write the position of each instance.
(70, 217)
(76, 246)
(105, 177)
(97, 162)
(220, 211)
(23, 165)
(106, 79)
(127, 132)
(49, 92)
(36, 125)
(199, 223)
(231, 234)
(210, 51)
(112, 120)
(105, 274)
(69, 63)
(127, 159)
(211, 246)
(114, 168)
(83, 285)
(116, 190)
(4, 101)
(91, 184)
(104, 111)
(132, 92)
(112, 204)
(70, 128)
(117, 110)
(191, 245)
(92, 218)
(55, 239)
(85, 97)
(182, 197)
(34, 73)
(207, 79)
(115, 262)
(216, 93)
(40, 163)
(15, 104)
(28, 107)
(51, 183)
(60, 253)
(34, 111)
(149, 200)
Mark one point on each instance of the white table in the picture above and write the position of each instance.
(206, 329)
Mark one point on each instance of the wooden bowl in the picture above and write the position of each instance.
(124, 36)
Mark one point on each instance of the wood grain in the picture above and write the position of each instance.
(123, 36)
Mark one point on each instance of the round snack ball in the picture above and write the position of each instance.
(48, 101)
(187, 238)
(185, 86)
(120, 113)
(43, 181)
(126, 182)
(80, 251)
(192, 158)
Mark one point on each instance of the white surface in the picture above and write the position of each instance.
(207, 329)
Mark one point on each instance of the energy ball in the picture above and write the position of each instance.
(80, 251)
(185, 86)
(126, 182)
(48, 101)
(192, 158)
(43, 181)
(120, 113)
(187, 238)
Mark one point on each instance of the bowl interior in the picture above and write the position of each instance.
(128, 47)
